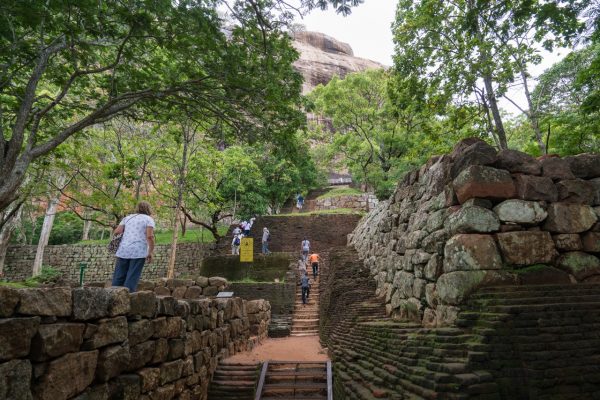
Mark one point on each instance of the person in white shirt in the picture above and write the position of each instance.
(305, 247)
(266, 238)
(136, 247)
(235, 244)
(236, 231)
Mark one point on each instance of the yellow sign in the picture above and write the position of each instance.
(247, 250)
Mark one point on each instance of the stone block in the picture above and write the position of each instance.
(586, 165)
(16, 335)
(106, 331)
(543, 275)
(54, 340)
(9, 298)
(567, 242)
(143, 304)
(49, 302)
(467, 252)
(161, 351)
(193, 292)
(434, 268)
(473, 220)
(475, 202)
(576, 191)
(596, 188)
(112, 360)
(182, 308)
(404, 282)
(556, 169)
(179, 292)
(569, 218)
(162, 291)
(455, 287)
(476, 153)
(125, 387)
(140, 331)
(170, 371)
(202, 281)
(210, 291)
(166, 305)
(93, 303)
(446, 315)
(67, 376)
(526, 248)
(518, 162)
(579, 264)
(483, 182)
(141, 355)
(591, 242)
(520, 212)
(217, 281)
(149, 379)
(15, 380)
(536, 188)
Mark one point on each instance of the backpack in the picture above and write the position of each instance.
(236, 241)
(268, 237)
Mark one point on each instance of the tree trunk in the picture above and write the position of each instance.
(493, 104)
(532, 115)
(5, 235)
(87, 225)
(45, 234)
(180, 187)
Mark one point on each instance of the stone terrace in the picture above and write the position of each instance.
(97, 343)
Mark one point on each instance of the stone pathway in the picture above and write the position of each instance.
(305, 348)
(305, 319)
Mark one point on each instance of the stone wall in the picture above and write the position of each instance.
(96, 343)
(362, 202)
(478, 217)
(271, 268)
(66, 258)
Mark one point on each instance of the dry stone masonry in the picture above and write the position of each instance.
(100, 263)
(478, 217)
(105, 343)
(361, 202)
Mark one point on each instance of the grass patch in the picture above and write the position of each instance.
(340, 191)
(47, 276)
(195, 235)
(320, 212)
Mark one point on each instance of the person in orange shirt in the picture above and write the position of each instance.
(314, 262)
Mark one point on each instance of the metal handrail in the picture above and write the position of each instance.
(329, 382)
(261, 381)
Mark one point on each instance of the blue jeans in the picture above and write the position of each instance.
(128, 272)
(305, 291)
(265, 248)
(315, 267)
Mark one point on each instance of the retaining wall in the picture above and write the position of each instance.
(361, 202)
(96, 343)
(66, 258)
(478, 217)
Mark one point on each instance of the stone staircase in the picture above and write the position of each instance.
(234, 381)
(285, 380)
(305, 319)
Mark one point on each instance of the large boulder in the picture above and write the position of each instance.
(477, 153)
(579, 264)
(54, 340)
(569, 218)
(455, 287)
(585, 165)
(93, 303)
(536, 188)
(48, 302)
(483, 182)
(526, 248)
(466, 252)
(16, 335)
(15, 380)
(518, 162)
(9, 298)
(596, 188)
(520, 211)
(67, 376)
(556, 169)
(576, 191)
(473, 220)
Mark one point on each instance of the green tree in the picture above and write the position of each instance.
(67, 66)
(475, 49)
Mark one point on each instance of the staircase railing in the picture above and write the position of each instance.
(329, 382)
(261, 380)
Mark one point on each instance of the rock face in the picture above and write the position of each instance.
(475, 218)
(323, 57)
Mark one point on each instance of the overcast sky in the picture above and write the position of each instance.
(368, 31)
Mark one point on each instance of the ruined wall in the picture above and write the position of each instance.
(96, 343)
(479, 217)
(66, 258)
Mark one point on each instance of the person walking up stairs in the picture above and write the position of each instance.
(305, 320)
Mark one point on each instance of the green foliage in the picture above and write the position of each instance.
(47, 276)
(340, 191)
(165, 236)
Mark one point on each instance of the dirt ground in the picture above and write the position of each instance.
(304, 348)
